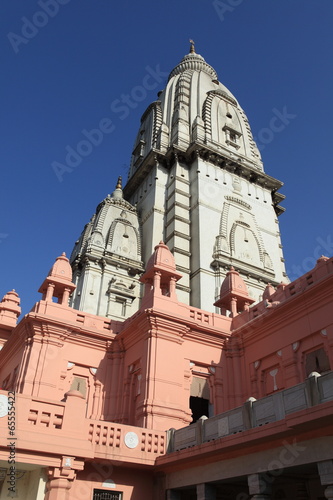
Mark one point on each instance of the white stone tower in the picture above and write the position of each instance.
(106, 260)
(198, 182)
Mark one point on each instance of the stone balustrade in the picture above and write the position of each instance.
(254, 413)
(47, 427)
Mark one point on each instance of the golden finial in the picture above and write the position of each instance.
(192, 49)
(119, 186)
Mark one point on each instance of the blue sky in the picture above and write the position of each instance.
(67, 64)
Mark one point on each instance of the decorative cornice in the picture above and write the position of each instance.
(194, 62)
(238, 201)
(118, 202)
(223, 94)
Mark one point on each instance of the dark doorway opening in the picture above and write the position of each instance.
(199, 407)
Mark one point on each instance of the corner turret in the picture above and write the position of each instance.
(234, 296)
(58, 283)
(161, 275)
(9, 312)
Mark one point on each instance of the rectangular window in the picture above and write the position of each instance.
(232, 137)
(107, 495)
(79, 384)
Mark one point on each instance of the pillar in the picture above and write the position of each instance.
(173, 288)
(96, 400)
(65, 297)
(59, 483)
(206, 492)
(49, 292)
(75, 414)
(258, 487)
(325, 470)
(157, 283)
(233, 305)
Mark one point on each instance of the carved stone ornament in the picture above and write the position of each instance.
(295, 346)
(131, 440)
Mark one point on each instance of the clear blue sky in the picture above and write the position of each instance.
(63, 77)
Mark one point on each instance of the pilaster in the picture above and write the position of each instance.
(60, 480)
(325, 469)
(178, 225)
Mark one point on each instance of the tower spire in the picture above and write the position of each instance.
(118, 192)
(119, 183)
(192, 48)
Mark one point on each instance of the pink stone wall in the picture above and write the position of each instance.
(135, 484)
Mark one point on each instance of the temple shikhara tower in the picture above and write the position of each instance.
(169, 357)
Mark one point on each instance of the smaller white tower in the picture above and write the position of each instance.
(106, 260)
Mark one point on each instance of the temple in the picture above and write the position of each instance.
(170, 357)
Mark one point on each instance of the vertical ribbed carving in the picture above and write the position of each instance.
(207, 117)
(157, 122)
(254, 149)
(101, 217)
(180, 124)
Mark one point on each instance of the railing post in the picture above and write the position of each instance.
(170, 440)
(248, 413)
(75, 412)
(200, 429)
(312, 391)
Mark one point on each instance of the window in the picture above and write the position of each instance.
(317, 361)
(79, 384)
(232, 137)
(199, 398)
(107, 495)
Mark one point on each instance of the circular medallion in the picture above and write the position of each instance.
(3, 405)
(131, 440)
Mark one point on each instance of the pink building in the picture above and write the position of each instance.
(169, 357)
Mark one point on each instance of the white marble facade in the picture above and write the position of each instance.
(197, 182)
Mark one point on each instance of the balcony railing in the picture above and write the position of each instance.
(44, 426)
(255, 413)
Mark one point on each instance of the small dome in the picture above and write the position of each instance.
(233, 287)
(11, 302)
(160, 276)
(61, 268)
(233, 283)
(12, 296)
(59, 278)
(162, 260)
(322, 259)
(118, 192)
